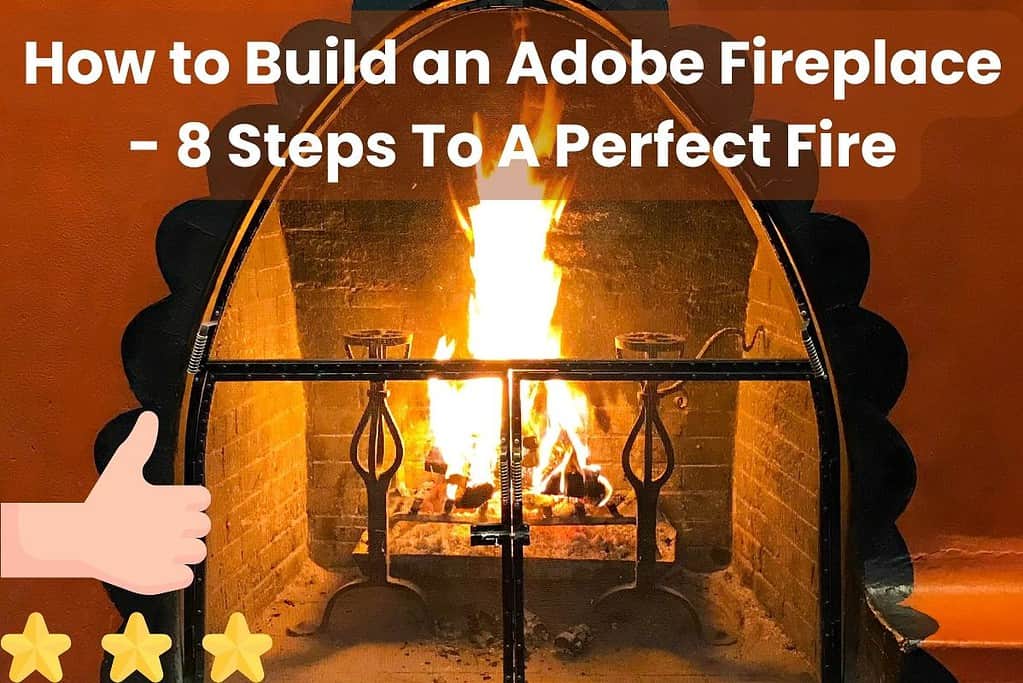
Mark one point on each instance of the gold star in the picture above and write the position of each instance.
(136, 650)
(35, 649)
(237, 649)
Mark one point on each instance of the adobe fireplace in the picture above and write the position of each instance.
(462, 424)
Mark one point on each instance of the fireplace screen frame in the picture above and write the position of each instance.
(205, 373)
(512, 534)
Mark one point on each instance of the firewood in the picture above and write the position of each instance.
(435, 462)
(475, 496)
(575, 484)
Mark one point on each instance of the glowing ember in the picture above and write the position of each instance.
(514, 294)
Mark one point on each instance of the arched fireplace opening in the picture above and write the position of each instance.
(356, 429)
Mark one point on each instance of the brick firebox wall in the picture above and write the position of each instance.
(667, 266)
(776, 468)
(256, 444)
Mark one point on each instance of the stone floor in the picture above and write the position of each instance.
(384, 636)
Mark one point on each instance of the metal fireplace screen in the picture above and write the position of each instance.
(372, 552)
(388, 503)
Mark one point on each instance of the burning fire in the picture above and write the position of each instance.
(515, 292)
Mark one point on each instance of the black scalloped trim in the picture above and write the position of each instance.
(868, 357)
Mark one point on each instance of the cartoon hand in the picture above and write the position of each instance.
(147, 535)
(127, 532)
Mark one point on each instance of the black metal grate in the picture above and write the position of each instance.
(511, 534)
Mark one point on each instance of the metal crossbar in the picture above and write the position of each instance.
(578, 370)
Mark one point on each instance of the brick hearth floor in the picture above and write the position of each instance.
(761, 654)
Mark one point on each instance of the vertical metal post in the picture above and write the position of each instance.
(507, 564)
(511, 533)
(519, 535)
(194, 598)
(830, 535)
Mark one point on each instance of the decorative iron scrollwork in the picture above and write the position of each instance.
(376, 425)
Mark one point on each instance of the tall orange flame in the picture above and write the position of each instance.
(515, 292)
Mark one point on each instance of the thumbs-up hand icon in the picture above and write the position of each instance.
(128, 532)
(152, 532)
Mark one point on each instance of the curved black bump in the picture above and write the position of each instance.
(870, 359)
(921, 667)
(888, 581)
(834, 258)
(190, 240)
(883, 476)
(156, 343)
(151, 349)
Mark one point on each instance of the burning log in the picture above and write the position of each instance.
(422, 494)
(475, 496)
(435, 462)
(586, 484)
(614, 504)
(595, 487)
(575, 484)
(457, 479)
(553, 487)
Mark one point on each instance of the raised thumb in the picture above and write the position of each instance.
(133, 453)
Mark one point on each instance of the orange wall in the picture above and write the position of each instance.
(80, 213)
